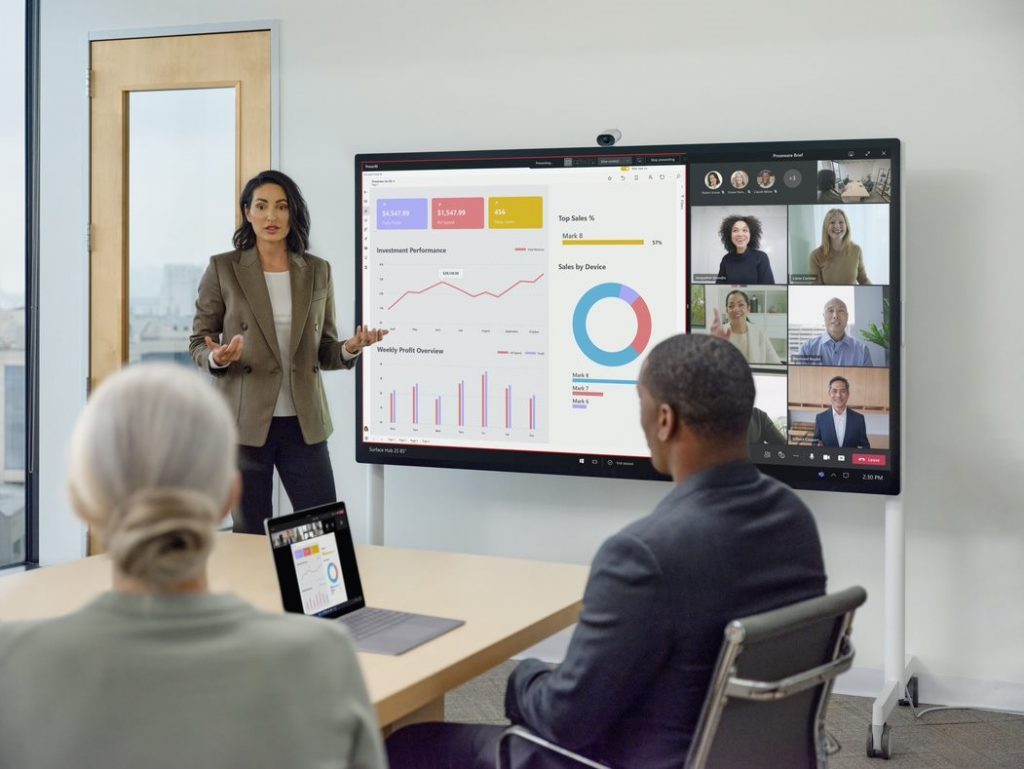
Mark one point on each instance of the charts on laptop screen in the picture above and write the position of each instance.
(523, 288)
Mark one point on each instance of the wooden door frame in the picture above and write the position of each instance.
(270, 26)
(157, 32)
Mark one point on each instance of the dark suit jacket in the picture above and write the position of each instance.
(233, 299)
(856, 436)
(723, 544)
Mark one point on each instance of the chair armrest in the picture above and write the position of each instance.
(518, 731)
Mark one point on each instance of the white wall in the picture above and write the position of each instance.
(943, 76)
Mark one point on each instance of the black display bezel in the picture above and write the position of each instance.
(803, 475)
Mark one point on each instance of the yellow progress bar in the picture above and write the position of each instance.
(602, 242)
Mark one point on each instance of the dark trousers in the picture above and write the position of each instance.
(305, 471)
(443, 746)
(463, 746)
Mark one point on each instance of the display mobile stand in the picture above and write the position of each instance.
(375, 504)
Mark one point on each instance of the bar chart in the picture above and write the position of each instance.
(435, 401)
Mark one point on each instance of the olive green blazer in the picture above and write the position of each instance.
(233, 299)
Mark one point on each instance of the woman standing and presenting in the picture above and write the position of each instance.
(264, 328)
(838, 261)
(746, 337)
(167, 674)
(743, 264)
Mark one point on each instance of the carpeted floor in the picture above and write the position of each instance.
(946, 739)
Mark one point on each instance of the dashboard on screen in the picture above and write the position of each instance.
(522, 288)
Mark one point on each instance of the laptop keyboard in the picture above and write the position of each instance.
(368, 621)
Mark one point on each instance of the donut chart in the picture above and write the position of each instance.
(630, 352)
(332, 573)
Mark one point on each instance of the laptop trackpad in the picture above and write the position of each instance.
(412, 631)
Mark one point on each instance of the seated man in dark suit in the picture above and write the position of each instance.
(840, 427)
(725, 542)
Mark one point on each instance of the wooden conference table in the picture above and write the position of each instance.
(508, 605)
(854, 192)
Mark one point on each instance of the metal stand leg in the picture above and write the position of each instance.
(375, 504)
(898, 668)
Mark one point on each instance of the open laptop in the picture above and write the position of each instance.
(318, 576)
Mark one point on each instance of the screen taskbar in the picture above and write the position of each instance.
(808, 466)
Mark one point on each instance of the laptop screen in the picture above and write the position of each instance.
(316, 561)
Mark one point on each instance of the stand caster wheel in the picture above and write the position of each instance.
(911, 698)
(882, 751)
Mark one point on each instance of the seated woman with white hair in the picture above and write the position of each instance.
(159, 672)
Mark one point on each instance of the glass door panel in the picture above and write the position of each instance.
(181, 210)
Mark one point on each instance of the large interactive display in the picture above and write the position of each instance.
(522, 288)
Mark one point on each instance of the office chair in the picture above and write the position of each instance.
(827, 192)
(826, 179)
(766, 701)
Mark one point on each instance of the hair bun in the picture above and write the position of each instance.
(162, 536)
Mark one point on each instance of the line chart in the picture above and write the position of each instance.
(470, 294)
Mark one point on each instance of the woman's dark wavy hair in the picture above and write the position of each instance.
(725, 231)
(298, 213)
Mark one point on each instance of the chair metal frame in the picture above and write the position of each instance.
(526, 734)
(726, 685)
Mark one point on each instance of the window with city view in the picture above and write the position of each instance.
(13, 388)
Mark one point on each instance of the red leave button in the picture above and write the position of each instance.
(869, 460)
